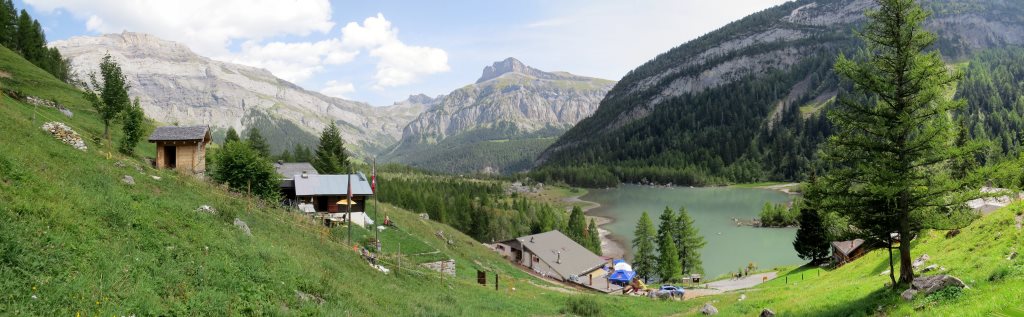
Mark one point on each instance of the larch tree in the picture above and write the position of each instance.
(258, 143)
(669, 268)
(577, 225)
(594, 237)
(8, 23)
(231, 136)
(645, 261)
(887, 163)
(811, 242)
(330, 157)
(689, 242)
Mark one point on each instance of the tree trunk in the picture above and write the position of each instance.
(906, 267)
(106, 130)
(892, 270)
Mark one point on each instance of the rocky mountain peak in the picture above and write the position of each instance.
(420, 99)
(509, 65)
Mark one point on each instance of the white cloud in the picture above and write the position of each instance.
(398, 63)
(210, 28)
(334, 88)
(205, 26)
(294, 62)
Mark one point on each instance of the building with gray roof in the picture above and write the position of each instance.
(551, 254)
(328, 193)
(181, 148)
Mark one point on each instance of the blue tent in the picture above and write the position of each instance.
(622, 272)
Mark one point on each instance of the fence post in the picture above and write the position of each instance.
(495, 281)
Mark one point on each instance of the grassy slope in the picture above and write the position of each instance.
(73, 238)
(858, 288)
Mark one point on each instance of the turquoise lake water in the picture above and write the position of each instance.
(729, 247)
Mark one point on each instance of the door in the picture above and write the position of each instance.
(321, 203)
(170, 156)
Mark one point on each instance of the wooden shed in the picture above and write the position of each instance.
(181, 148)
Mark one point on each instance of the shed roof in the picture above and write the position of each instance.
(331, 185)
(174, 133)
(847, 247)
(574, 260)
(289, 170)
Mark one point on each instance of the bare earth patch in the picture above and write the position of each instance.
(4, 74)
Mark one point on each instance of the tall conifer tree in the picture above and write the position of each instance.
(645, 261)
(887, 161)
(689, 242)
(258, 143)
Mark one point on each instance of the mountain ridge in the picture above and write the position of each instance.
(509, 102)
(177, 85)
(747, 80)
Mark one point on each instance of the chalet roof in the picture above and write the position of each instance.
(574, 258)
(847, 247)
(289, 170)
(174, 133)
(331, 185)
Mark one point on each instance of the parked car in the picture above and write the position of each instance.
(666, 291)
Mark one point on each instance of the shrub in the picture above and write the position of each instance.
(947, 294)
(581, 306)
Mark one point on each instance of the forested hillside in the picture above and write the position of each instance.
(748, 101)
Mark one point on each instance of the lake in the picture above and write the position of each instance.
(729, 247)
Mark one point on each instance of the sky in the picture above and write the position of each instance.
(381, 52)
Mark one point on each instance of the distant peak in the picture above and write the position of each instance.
(509, 65)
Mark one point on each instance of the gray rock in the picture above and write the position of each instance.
(206, 209)
(908, 295)
(306, 297)
(119, 164)
(1013, 255)
(128, 180)
(920, 260)
(155, 177)
(930, 268)
(930, 284)
(767, 313)
(708, 309)
(243, 226)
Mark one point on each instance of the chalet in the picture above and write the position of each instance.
(846, 251)
(288, 173)
(328, 193)
(551, 254)
(181, 148)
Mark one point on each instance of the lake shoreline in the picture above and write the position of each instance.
(611, 246)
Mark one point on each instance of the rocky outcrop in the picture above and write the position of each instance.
(509, 100)
(778, 39)
(930, 284)
(509, 91)
(176, 85)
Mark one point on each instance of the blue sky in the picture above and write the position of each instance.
(382, 51)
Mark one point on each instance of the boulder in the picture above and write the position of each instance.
(952, 233)
(306, 297)
(128, 180)
(243, 226)
(908, 295)
(920, 260)
(743, 296)
(930, 268)
(206, 209)
(931, 284)
(767, 313)
(708, 309)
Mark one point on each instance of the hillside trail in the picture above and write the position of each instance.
(722, 286)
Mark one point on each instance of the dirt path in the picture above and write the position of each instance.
(782, 187)
(718, 287)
